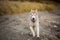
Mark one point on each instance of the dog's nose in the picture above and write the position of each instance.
(33, 18)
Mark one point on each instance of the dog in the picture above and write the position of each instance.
(34, 23)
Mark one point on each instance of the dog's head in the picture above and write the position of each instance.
(33, 15)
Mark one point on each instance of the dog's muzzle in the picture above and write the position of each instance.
(33, 20)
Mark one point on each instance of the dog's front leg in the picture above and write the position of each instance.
(32, 30)
(37, 31)
(37, 27)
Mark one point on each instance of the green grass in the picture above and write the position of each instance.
(21, 7)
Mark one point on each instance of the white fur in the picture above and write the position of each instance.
(34, 31)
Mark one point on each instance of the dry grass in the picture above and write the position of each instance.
(20, 7)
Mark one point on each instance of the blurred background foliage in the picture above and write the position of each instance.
(32, 0)
(20, 6)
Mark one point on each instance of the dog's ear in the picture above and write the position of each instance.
(31, 10)
(36, 10)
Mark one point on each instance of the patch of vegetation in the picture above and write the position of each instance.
(11, 7)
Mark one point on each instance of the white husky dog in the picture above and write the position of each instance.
(34, 23)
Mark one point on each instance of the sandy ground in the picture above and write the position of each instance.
(16, 27)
